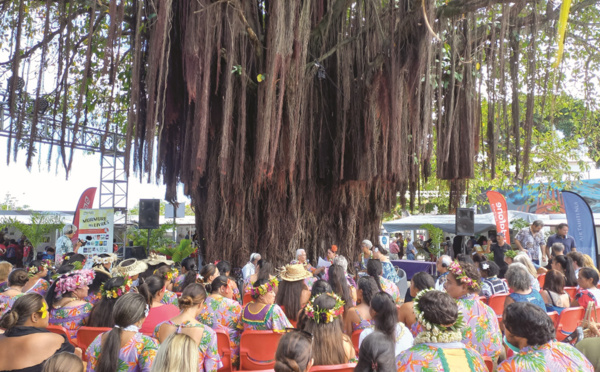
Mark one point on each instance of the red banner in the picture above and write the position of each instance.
(86, 201)
(500, 210)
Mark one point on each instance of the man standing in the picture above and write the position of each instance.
(499, 249)
(250, 267)
(400, 243)
(561, 236)
(411, 251)
(442, 268)
(64, 244)
(531, 240)
(394, 249)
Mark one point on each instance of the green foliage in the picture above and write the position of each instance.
(158, 238)
(437, 237)
(10, 203)
(179, 253)
(518, 224)
(42, 225)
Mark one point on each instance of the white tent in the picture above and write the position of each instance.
(447, 222)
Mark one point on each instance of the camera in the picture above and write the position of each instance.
(83, 242)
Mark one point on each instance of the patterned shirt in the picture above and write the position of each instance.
(449, 357)
(482, 331)
(136, 356)
(531, 242)
(492, 286)
(269, 318)
(169, 298)
(550, 357)
(391, 289)
(64, 245)
(389, 272)
(40, 287)
(72, 318)
(222, 313)
(7, 302)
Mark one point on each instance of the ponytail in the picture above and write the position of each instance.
(375, 269)
(108, 360)
(216, 284)
(150, 287)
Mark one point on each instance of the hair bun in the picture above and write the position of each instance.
(186, 301)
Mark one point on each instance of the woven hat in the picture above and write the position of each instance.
(105, 258)
(292, 273)
(130, 267)
(155, 259)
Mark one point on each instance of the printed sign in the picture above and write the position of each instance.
(96, 228)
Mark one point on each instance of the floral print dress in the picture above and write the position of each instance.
(93, 298)
(209, 359)
(481, 331)
(72, 318)
(6, 302)
(392, 289)
(550, 357)
(40, 287)
(136, 356)
(222, 313)
(170, 298)
(389, 272)
(451, 357)
(268, 318)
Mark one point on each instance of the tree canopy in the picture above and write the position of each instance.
(298, 122)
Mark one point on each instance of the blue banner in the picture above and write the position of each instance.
(581, 223)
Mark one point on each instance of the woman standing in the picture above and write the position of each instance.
(124, 348)
(191, 304)
(66, 299)
(262, 314)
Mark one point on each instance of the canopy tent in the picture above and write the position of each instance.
(447, 222)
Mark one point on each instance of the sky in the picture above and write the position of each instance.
(45, 190)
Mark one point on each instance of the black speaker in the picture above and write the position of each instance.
(149, 213)
(135, 252)
(465, 221)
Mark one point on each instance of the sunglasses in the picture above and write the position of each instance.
(306, 334)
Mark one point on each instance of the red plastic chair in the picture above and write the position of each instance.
(568, 321)
(86, 335)
(571, 291)
(60, 330)
(554, 316)
(349, 367)
(489, 363)
(541, 279)
(483, 299)
(247, 298)
(355, 338)
(257, 349)
(496, 302)
(178, 294)
(224, 347)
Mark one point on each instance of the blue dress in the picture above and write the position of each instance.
(389, 272)
(534, 297)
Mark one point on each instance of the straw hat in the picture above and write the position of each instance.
(130, 267)
(155, 259)
(105, 258)
(292, 273)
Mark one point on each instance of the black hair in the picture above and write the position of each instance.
(589, 273)
(194, 294)
(224, 267)
(567, 265)
(492, 269)
(375, 269)
(265, 269)
(376, 354)
(422, 280)
(100, 278)
(319, 287)
(75, 257)
(479, 258)
(438, 308)
(337, 279)
(21, 310)
(65, 268)
(207, 271)
(369, 288)
(288, 296)
(294, 352)
(191, 269)
(150, 287)
(386, 314)
(529, 321)
(464, 258)
(102, 313)
(129, 309)
(216, 284)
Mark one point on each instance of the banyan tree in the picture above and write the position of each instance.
(290, 123)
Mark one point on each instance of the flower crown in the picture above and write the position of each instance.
(435, 328)
(116, 291)
(170, 275)
(461, 277)
(263, 289)
(324, 315)
(105, 260)
(73, 280)
(36, 269)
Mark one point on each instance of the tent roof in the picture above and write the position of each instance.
(447, 222)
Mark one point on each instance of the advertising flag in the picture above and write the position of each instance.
(86, 201)
(581, 223)
(500, 210)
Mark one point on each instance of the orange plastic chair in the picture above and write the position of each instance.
(489, 363)
(60, 330)
(571, 291)
(554, 316)
(349, 367)
(483, 299)
(257, 349)
(224, 347)
(247, 298)
(541, 279)
(86, 335)
(496, 302)
(178, 294)
(568, 321)
(355, 338)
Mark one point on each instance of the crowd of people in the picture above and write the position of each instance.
(164, 316)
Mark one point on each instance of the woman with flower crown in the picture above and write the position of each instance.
(111, 290)
(65, 298)
(36, 272)
(16, 281)
(324, 321)
(438, 347)
(191, 304)
(262, 314)
(27, 344)
(124, 348)
(481, 331)
(224, 313)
